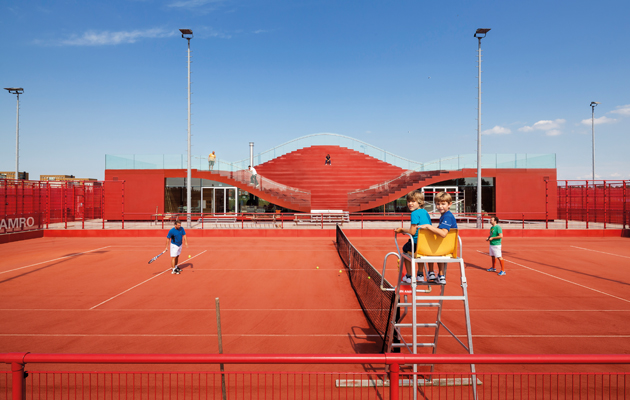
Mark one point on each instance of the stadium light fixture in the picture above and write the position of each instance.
(18, 92)
(479, 34)
(593, 105)
(188, 34)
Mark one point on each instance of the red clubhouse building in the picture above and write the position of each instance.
(294, 177)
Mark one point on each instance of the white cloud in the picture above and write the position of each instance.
(551, 128)
(106, 38)
(622, 110)
(497, 130)
(599, 121)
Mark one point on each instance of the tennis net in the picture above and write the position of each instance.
(377, 304)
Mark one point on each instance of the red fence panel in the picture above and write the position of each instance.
(384, 380)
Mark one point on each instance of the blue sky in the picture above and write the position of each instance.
(110, 77)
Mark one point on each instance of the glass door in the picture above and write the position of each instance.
(219, 200)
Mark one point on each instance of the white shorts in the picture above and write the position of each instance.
(495, 251)
(175, 250)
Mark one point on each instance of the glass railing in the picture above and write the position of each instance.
(266, 185)
(332, 139)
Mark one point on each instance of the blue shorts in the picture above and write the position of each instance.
(407, 247)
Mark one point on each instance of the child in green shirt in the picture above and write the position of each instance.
(496, 234)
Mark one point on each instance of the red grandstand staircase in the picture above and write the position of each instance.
(354, 181)
(389, 190)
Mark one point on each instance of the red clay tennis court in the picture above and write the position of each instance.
(282, 295)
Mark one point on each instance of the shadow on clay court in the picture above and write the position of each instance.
(475, 266)
(68, 257)
(370, 343)
(557, 267)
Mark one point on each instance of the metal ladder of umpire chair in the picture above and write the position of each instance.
(430, 249)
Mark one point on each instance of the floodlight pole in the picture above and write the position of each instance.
(479, 34)
(17, 91)
(593, 105)
(188, 34)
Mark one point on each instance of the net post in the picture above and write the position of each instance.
(220, 337)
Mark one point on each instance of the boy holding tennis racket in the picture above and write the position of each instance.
(176, 236)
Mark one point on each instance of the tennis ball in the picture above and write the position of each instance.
(339, 270)
(317, 267)
(369, 277)
(189, 256)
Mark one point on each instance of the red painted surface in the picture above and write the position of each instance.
(99, 295)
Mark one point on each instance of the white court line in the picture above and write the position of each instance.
(603, 252)
(56, 259)
(143, 282)
(565, 280)
(324, 335)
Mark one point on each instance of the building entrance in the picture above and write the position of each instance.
(219, 200)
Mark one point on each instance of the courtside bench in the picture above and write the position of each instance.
(323, 216)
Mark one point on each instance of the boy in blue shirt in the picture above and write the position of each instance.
(174, 240)
(443, 203)
(419, 217)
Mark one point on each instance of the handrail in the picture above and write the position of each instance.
(389, 358)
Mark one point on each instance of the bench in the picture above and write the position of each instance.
(266, 218)
(217, 219)
(323, 217)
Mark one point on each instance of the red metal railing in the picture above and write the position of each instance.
(389, 377)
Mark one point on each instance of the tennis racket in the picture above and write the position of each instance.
(156, 257)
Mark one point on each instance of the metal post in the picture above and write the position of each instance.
(605, 206)
(394, 374)
(546, 204)
(122, 200)
(17, 380)
(586, 204)
(17, 139)
(624, 205)
(566, 203)
(482, 33)
(188, 174)
(251, 153)
(17, 91)
(220, 337)
(593, 105)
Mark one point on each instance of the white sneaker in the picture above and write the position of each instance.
(420, 279)
(441, 279)
(406, 279)
(432, 276)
